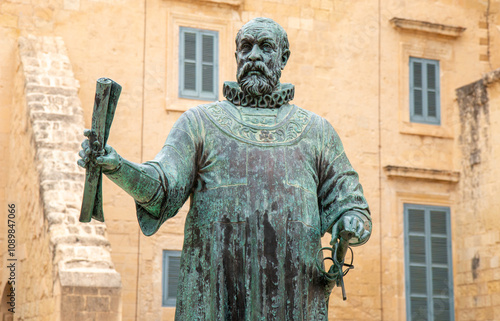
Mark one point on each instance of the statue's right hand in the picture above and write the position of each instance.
(107, 158)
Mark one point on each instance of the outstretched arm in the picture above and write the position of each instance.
(161, 186)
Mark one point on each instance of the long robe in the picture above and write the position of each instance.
(262, 195)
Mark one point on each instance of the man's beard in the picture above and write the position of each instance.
(259, 84)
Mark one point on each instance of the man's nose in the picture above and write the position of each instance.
(255, 54)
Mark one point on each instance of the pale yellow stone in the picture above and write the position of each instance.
(339, 74)
(8, 21)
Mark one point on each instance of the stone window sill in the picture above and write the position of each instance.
(438, 131)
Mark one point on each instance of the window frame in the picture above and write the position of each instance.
(167, 301)
(425, 118)
(428, 254)
(198, 93)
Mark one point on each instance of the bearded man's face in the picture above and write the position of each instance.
(258, 56)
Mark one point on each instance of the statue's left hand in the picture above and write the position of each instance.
(355, 224)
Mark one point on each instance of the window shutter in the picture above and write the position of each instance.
(207, 83)
(424, 91)
(189, 61)
(417, 266)
(440, 268)
(431, 90)
(170, 277)
(174, 266)
(198, 63)
(428, 263)
(417, 89)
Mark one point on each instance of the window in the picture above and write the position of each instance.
(198, 64)
(424, 91)
(170, 278)
(429, 277)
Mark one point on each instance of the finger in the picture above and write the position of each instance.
(81, 163)
(361, 229)
(87, 150)
(86, 132)
(108, 149)
(96, 145)
(348, 223)
(82, 154)
(335, 233)
(366, 236)
(85, 144)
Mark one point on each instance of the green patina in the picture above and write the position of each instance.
(266, 180)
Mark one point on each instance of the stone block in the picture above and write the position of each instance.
(73, 5)
(495, 299)
(67, 290)
(90, 278)
(108, 316)
(484, 313)
(294, 23)
(494, 286)
(84, 316)
(110, 292)
(115, 303)
(72, 303)
(307, 24)
(84, 291)
(97, 303)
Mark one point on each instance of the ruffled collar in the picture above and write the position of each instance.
(234, 94)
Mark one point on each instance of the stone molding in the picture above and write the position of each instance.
(236, 3)
(427, 27)
(491, 77)
(81, 252)
(393, 171)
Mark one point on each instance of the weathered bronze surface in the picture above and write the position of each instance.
(266, 179)
(105, 102)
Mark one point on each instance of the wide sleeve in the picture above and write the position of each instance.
(176, 165)
(339, 190)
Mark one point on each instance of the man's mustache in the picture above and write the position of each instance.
(256, 66)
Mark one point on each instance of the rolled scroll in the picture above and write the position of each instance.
(105, 102)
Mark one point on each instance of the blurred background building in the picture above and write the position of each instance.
(412, 88)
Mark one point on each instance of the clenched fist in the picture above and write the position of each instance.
(107, 158)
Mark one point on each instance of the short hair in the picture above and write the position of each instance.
(280, 32)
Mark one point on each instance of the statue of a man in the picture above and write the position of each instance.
(266, 179)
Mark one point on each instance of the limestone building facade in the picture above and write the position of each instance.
(412, 88)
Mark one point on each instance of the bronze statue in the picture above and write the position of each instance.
(266, 180)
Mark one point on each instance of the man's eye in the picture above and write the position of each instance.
(266, 46)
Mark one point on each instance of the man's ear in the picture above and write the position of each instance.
(284, 58)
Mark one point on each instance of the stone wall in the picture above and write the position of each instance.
(349, 65)
(64, 265)
(35, 298)
(477, 227)
(90, 303)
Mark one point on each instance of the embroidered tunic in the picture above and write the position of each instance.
(264, 188)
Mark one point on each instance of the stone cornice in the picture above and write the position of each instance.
(427, 27)
(393, 171)
(235, 3)
(491, 77)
